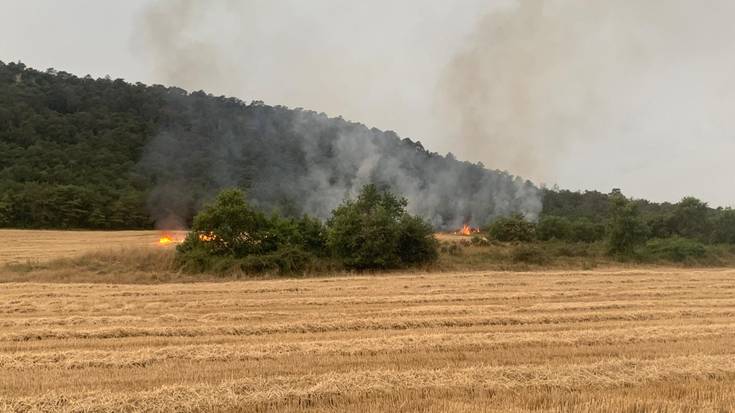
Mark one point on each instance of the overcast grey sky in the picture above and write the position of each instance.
(583, 94)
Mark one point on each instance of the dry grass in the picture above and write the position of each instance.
(34, 246)
(137, 257)
(79, 331)
(646, 340)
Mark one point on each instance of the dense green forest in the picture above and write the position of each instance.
(102, 153)
(689, 218)
(78, 152)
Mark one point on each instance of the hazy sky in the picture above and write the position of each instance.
(580, 93)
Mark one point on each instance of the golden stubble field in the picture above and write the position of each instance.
(636, 341)
(21, 246)
(611, 340)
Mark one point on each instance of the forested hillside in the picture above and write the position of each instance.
(68, 147)
(102, 153)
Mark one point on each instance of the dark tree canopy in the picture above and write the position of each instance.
(374, 231)
(102, 153)
(626, 228)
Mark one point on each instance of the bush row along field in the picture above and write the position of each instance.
(375, 232)
(137, 257)
(606, 340)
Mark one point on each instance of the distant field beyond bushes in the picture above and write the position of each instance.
(23, 246)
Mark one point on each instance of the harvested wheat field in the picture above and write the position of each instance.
(20, 246)
(615, 341)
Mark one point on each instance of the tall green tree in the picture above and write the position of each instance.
(375, 231)
(691, 219)
(229, 227)
(512, 228)
(626, 229)
(725, 227)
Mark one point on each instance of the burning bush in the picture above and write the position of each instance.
(374, 231)
(230, 227)
(230, 234)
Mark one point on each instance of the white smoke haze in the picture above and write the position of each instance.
(184, 54)
(629, 94)
(586, 94)
(545, 84)
(360, 160)
(176, 38)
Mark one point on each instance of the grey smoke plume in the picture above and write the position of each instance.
(540, 81)
(446, 192)
(173, 38)
(295, 161)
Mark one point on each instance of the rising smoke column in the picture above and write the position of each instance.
(545, 81)
(297, 161)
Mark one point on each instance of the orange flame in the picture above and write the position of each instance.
(206, 237)
(467, 230)
(168, 239)
(165, 240)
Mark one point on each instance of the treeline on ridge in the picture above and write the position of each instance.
(630, 229)
(78, 152)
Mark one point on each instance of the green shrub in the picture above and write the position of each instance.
(690, 219)
(306, 233)
(454, 249)
(229, 235)
(416, 241)
(552, 227)
(479, 241)
(572, 250)
(512, 228)
(196, 260)
(675, 249)
(563, 229)
(626, 230)
(529, 254)
(661, 226)
(724, 232)
(229, 227)
(584, 230)
(5, 213)
(287, 260)
(374, 231)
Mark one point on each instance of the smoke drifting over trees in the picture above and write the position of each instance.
(91, 153)
(541, 80)
(297, 161)
(612, 92)
(300, 161)
(544, 89)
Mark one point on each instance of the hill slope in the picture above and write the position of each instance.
(101, 153)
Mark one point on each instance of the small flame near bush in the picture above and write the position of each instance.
(467, 230)
(168, 238)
